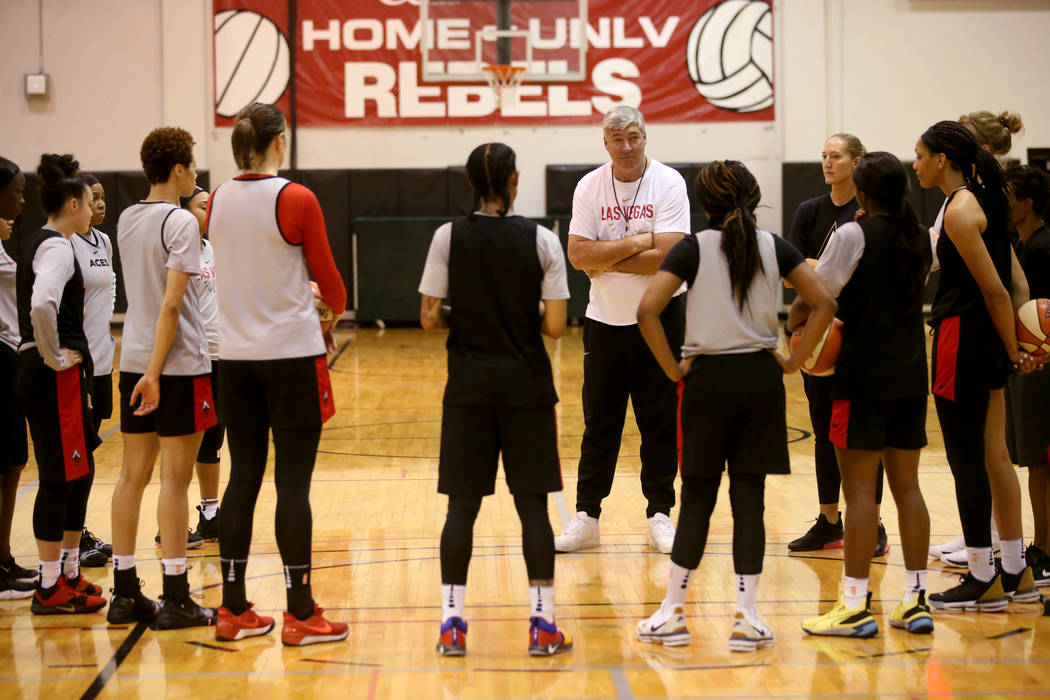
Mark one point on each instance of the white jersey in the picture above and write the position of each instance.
(9, 334)
(266, 308)
(605, 209)
(206, 294)
(94, 253)
(155, 237)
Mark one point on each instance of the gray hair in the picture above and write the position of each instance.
(622, 116)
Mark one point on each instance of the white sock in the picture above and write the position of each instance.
(123, 562)
(49, 572)
(1012, 552)
(452, 597)
(209, 507)
(71, 562)
(174, 567)
(746, 590)
(541, 599)
(914, 581)
(981, 563)
(677, 585)
(855, 591)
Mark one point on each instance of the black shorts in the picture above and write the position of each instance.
(968, 357)
(474, 437)
(102, 397)
(288, 393)
(58, 408)
(211, 443)
(1028, 418)
(873, 424)
(731, 409)
(14, 447)
(186, 406)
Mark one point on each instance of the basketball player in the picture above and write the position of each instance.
(54, 386)
(274, 374)
(16, 582)
(812, 229)
(626, 215)
(974, 347)
(165, 393)
(499, 270)
(1028, 412)
(732, 406)
(877, 269)
(94, 253)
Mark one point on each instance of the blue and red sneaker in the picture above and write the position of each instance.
(545, 639)
(453, 639)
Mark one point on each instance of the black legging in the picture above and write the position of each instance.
(962, 424)
(457, 537)
(61, 506)
(295, 451)
(746, 497)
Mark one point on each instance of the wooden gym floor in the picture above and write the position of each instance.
(377, 520)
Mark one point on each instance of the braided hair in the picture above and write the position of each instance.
(489, 169)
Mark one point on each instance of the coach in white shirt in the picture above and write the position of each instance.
(626, 216)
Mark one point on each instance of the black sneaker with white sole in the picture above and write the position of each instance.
(208, 528)
(193, 540)
(124, 610)
(180, 613)
(13, 589)
(19, 573)
(971, 595)
(1040, 563)
(93, 550)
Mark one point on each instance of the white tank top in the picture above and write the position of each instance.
(266, 308)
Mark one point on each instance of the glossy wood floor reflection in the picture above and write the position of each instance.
(377, 520)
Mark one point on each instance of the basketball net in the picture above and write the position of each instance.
(504, 80)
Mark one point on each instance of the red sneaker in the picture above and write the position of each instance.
(313, 630)
(230, 627)
(82, 585)
(545, 639)
(453, 639)
(60, 599)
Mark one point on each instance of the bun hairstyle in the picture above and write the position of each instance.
(993, 130)
(852, 144)
(1031, 183)
(254, 129)
(729, 194)
(89, 179)
(59, 181)
(883, 180)
(979, 168)
(185, 201)
(162, 150)
(8, 172)
(489, 169)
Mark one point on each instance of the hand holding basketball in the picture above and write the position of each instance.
(821, 362)
(324, 312)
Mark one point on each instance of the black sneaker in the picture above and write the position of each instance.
(193, 540)
(1019, 587)
(972, 594)
(207, 528)
(13, 589)
(1040, 563)
(124, 610)
(882, 545)
(93, 550)
(19, 573)
(823, 535)
(177, 614)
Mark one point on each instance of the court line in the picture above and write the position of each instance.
(212, 646)
(340, 352)
(621, 684)
(559, 505)
(110, 669)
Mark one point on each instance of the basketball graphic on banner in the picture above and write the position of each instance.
(730, 55)
(251, 61)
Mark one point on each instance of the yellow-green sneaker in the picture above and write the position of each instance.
(913, 615)
(843, 621)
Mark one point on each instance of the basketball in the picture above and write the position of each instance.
(729, 55)
(821, 362)
(324, 314)
(1033, 326)
(251, 61)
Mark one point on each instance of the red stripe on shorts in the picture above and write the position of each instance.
(678, 423)
(324, 389)
(839, 422)
(71, 423)
(203, 404)
(947, 358)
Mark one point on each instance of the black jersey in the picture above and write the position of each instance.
(816, 220)
(1035, 260)
(883, 353)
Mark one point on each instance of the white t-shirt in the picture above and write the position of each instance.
(94, 253)
(206, 294)
(9, 333)
(155, 237)
(604, 210)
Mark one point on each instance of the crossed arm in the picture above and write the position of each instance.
(639, 254)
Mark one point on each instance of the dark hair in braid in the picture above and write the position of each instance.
(489, 168)
(883, 181)
(729, 194)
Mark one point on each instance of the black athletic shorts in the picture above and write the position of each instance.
(968, 357)
(1028, 418)
(186, 406)
(873, 424)
(211, 443)
(102, 397)
(474, 437)
(288, 393)
(731, 409)
(14, 447)
(58, 408)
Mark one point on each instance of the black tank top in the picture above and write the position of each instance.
(883, 353)
(496, 355)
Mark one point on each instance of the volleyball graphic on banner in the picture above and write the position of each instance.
(251, 61)
(729, 55)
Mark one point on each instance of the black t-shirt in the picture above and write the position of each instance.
(1035, 260)
(816, 220)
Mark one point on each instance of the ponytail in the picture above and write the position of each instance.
(490, 168)
(254, 129)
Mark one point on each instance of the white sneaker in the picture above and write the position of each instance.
(956, 544)
(661, 533)
(665, 627)
(580, 532)
(960, 559)
(750, 632)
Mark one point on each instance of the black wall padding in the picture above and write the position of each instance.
(332, 188)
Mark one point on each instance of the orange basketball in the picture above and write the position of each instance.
(821, 362)
(1033, 326)
(324, 314)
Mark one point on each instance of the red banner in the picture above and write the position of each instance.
(358, 62)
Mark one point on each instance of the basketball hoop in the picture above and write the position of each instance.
(503, 79)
